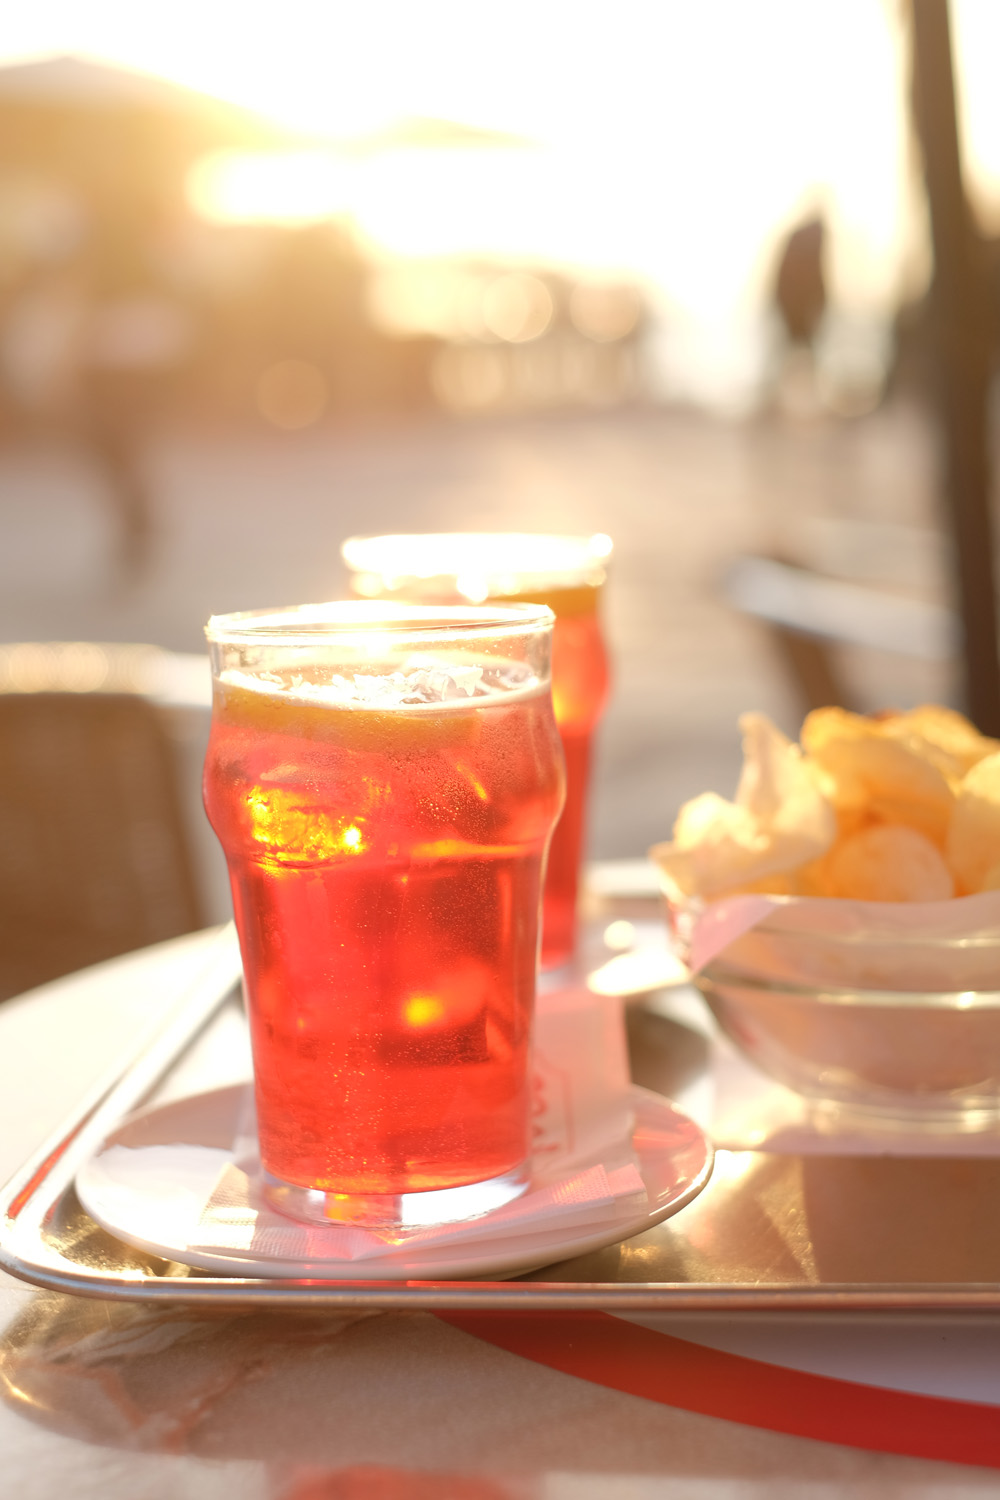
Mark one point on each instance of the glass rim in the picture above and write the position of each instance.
(494, 558)
(347, 619)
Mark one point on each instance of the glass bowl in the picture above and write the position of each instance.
(892, 1011)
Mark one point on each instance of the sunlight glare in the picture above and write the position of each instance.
(675, 144)
(275, 186)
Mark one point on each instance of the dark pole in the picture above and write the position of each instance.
(959, 305)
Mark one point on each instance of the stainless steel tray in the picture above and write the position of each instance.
(769, 1232)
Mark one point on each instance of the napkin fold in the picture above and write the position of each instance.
(235, 1219)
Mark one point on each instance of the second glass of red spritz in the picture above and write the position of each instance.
(565, 572)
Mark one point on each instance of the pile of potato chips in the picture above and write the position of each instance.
(893, 807)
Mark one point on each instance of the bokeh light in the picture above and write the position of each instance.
(292, 394)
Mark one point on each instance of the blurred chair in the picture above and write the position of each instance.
(809, 615)
(94, 855)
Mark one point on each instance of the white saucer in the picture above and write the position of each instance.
(157, 1175)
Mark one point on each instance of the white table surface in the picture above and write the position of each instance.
(125, 1402)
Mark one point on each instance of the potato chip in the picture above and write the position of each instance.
(711, 816)
(887, 862)
(777, 786)
(711, 836)
(873, 772)
(895, 806)
(779, 821)
(946, 737)
(824, 725)
(973, 846)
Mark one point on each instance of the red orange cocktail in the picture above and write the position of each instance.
(384, 782)
(566, 573)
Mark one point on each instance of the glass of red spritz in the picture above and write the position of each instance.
(384, 780)
(568, 574)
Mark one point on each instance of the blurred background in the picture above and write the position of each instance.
(660, 270)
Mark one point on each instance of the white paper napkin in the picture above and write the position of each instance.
(583, 1168)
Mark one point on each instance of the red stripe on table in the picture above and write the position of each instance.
(660, 1367)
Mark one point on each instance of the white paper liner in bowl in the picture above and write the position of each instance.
(943, 945)
(888, 1008)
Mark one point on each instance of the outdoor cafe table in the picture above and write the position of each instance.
(132, 1401)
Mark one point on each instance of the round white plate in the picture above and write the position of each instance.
(131, 1195)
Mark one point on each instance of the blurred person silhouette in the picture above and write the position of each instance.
(134, 338)
(800, 288)
(800, 300)
(39, 335)
(88, 346)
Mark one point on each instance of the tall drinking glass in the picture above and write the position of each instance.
(565, 572)
(384, 780)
